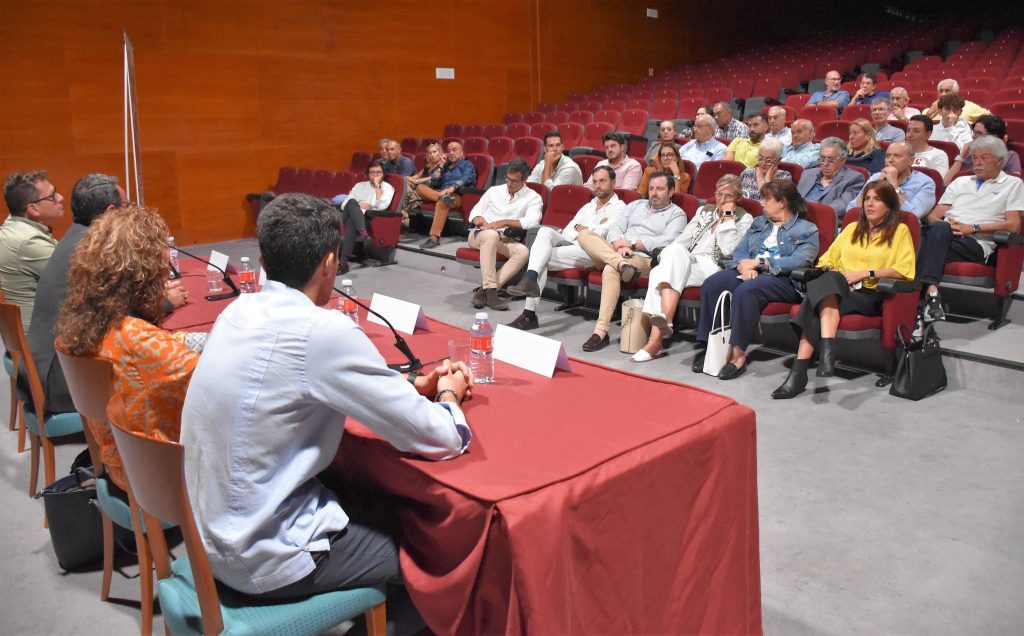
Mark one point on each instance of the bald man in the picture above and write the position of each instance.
(777, 126)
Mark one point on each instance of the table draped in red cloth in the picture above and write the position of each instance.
(596, 501)
(198, 314)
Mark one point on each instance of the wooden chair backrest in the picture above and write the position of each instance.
(156, 475)
(91, 384)
(14, 339)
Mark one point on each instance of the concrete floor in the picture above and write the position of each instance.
(877, 515)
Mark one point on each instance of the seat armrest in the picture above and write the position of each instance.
(515, 232)
(468, 190)
(806, 274)
(1005, 237)
(894, 285)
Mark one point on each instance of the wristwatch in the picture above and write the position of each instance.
(976, 228)
(871, 274)
(899, 190)
(761, 263)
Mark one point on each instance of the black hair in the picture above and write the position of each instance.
(295, 232)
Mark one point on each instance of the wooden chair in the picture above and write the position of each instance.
(40, 427)
(11, 364)
(91, 384)
(190, 599)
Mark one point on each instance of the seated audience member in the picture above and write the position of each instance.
(833, 95)
(916, 190)
(766, 169)
(671, 163)
(900, 109)
(884, 131)
(919, 130)
(266, 410)
(382, 144)
(456, 173)
(695, 255)
(971, 210)
(628, 170)
(26, 240)
(703, 147)
(554, 167)
(744, 149)
(666, 137)
(509, 205)
(802, 150)
(777, 126)
(986, 125)
(625, 252)
(558, 250)
(864, 150)
(396, 162)
(877, 246)
(728, 126)
(701, 110)
(866, 93)
(949, 86)
(433, 168)
(113, 312)
(952, 126)
(366, 197)
(91, 196)
(832, 183)
(779, 241)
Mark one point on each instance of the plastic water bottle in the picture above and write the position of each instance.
(349, 307)
(481, 350)
(246, 276)
(173, 254)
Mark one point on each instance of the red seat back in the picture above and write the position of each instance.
(840, 128)
(557, 117)
(634, 121)
(564, 202)
(528, 148)
(628, 196)
(475, 145)
(500, 148)
(534, 117)
(453, 130)
(411, 144)
(709, 174)
(687, 202)
(572, 134)
(484, 166)
(610, 116)
(664, 108)
(359, 162)
(817, 114)
(541, 129)
(473, 130)
(935, 177)
(517, 130)
(593, 133)
(494, 130)
(581, 117)
(587, 163)
(824, 217)
(857, 111)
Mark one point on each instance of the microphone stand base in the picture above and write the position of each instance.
(406, 367)
(224, 296)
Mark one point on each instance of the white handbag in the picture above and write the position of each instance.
(717, 354)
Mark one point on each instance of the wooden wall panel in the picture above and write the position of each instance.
(229, 91)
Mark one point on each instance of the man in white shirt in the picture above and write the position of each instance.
(884, 131)
(951, 125)
(919, 129)
(628, 170)
(558, 250)
(510, 206)
(554, 167)
(777, 126)
(625, 252)
(265, 412)
(703, 147)
(971, 210)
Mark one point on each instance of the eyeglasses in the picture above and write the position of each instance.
(512, 182)
(824, 159)
(979, 133)
(50, 197)
(767, 159)
(725, 196)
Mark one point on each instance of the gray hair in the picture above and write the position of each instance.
(837, 143)
(884, 100)
(731, 181)
(772, 145)
(991, 143)
(803, 123)
(901, 90)
(956, 85)
(91, 197)
(776, 109)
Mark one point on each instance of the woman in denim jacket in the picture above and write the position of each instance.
(758, 273)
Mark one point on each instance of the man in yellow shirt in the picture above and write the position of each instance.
(744, 149)
(949, 86)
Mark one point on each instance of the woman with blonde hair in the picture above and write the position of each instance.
(864, 149)
(113, 312)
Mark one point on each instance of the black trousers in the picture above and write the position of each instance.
(939, 246)
(807, 321)
(355, 225)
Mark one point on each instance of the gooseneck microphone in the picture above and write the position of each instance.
(413, 363)
(227, 279)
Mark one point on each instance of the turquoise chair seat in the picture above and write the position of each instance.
(9, 365)
(57, 425)
(244, 615)
(116, 508)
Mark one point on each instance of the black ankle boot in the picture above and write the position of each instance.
(795, 382)
(826, 358)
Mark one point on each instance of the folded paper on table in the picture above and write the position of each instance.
(405, 316)
(529, 351)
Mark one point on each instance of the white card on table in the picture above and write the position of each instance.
(218, 259)
(529, 351)
(405, 316)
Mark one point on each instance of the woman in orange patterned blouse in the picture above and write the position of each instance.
(113, 311)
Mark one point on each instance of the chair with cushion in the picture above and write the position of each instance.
(951, 149)
(190, 599)
(528, 148)
(563, 203)
(500, 148)
(581, 117)
(664, 108)
(857, 111)
(709, 174)
(541, 129)
(475, 145)
(474, 130)
(494, 130)
(611, 116)
(587, 163)
(517, 130)
(41, 428)
(452, 130)
(532, 118)
(557, 117)
(593, 134)
(512, 118)
(836, 128)
(817, 115)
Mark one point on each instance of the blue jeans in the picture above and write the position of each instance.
(749, 298)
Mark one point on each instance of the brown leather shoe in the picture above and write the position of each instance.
(492, 300)
(595, 343)
(480, 298)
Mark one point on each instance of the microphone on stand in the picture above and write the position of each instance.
(227, 279)
(413, 363)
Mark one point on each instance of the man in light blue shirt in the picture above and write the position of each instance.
(703, 146)
(832, 95)
(265, 412)
(803, 151)
(915, 189)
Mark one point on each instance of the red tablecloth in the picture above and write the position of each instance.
(198, 314)
(596, 501)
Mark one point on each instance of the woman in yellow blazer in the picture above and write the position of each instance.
(877, 246)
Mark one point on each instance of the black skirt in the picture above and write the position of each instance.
(866, 302)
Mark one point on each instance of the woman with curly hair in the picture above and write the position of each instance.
(112, 312)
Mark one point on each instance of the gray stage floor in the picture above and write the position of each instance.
(877, 515)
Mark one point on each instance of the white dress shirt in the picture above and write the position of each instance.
(597, 221)
(567, 172)
(264, 414)
(524, 206)
(363, 192)
(700, 151)
(959, 133)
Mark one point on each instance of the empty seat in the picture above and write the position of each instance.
(818, 114)
(528, 148)
(512, 118)
(709, 174)
(572, 134)
(534, 117)
(593, 134)
(634, 121)
(475, 145)
(581, 117)
(514, 131)
(610, 116)
(500, 148)
(453, 130)
(494, 130)
(664, 108)
(410, 144)
(541, 129)
(474, 130)
(557, 117)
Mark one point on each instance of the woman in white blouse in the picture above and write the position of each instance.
(713, 233)
(373, 194)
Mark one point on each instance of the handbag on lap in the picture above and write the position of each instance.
(717, 354)
(919, 369)
(636, 328)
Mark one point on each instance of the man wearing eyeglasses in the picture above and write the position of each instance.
(832, 183)
(26, 240)
(511, 206)
(833, 95)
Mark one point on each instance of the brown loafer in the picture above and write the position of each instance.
(595, 343)
(491, 300)
(480, 298)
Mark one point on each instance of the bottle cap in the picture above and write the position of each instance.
(347, 282)
(481, 315)
(245, 259)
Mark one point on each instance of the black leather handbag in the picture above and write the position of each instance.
(919, 369)
(76, 527)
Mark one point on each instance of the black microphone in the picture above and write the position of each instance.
(413, 363)
(227, 279)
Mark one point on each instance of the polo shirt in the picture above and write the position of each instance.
(25, 249)
(745, 151)
(973, 203)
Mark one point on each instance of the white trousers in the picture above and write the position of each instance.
(550, 249)
(676, 268)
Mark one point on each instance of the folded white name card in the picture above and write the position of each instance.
(405, 316)
(218, 259)
(529, 351)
